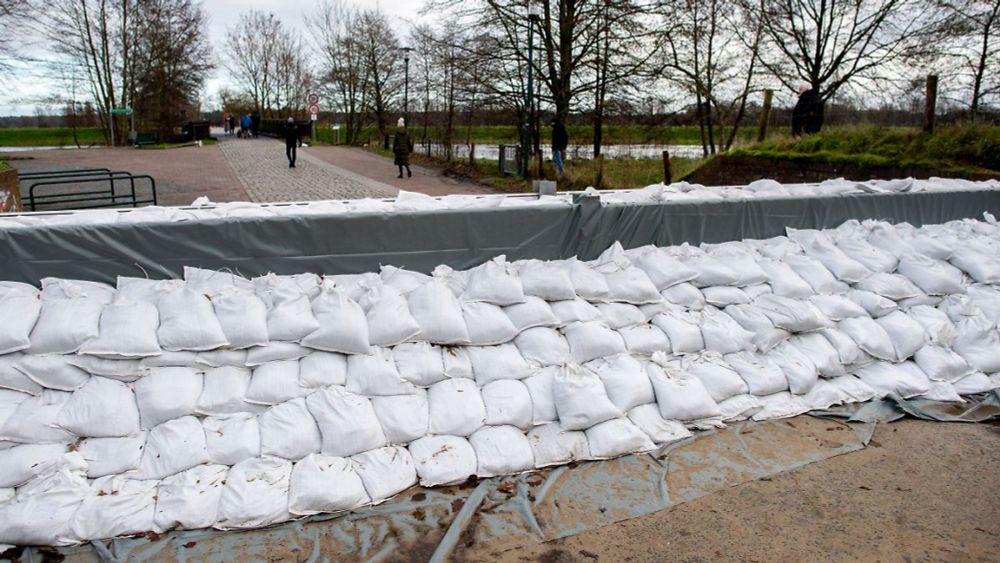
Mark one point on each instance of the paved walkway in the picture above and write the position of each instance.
(262, 168)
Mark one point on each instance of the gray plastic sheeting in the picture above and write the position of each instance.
(339, 244)
(498, 514)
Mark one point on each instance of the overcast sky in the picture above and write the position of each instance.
(18, 97)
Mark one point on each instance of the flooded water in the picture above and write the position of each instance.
(492, 152)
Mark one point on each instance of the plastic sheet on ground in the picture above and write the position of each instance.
(976, 408)
(500, 513)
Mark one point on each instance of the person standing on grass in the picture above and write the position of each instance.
(292, 141)
(402, 146)
(807, 117)
(560, 140)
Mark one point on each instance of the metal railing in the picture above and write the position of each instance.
(109, 196)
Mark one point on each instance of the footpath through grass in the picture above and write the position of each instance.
(50, 136)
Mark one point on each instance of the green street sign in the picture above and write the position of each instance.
(120, 111)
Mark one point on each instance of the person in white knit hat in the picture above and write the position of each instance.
(402, 146)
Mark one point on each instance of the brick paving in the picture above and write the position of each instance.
(262, 168)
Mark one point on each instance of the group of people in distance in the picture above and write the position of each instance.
(245, 126)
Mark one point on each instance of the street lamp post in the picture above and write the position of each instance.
(533, 18)
(406, 85)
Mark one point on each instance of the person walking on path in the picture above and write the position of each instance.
(807, 117)
(292, 141)
(255, 124)
(402, 146)
(245, 125)
(560, 140)
(231, 123)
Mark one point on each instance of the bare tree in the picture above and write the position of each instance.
(966, 47)
(13, 14)
(381, 53)
(344, 66)
(251, 50)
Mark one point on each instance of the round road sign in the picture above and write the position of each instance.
(313, 109)
(312, 98)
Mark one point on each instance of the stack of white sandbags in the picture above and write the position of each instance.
(217, 401)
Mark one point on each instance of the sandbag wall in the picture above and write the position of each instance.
(219, 401)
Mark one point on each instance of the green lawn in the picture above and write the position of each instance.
(49, 136)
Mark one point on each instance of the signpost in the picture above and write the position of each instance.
(313, 100)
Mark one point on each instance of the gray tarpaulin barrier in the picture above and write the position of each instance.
(337, 244)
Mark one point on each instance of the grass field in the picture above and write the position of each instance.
(49, 136)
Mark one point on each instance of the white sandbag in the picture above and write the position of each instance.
(172, 359)
(532, 313)
(722, 334)
(890, 286)
(19, 307)
(821, 353)
(934, 277)
(942, 364)
(142, 290)
(52, 372)
(987, 298)
(403, 418)
(625, 381)
(20, 464)
(320, 369)
(438, 313)
(224, 392)
(615, 438)
(958, 307)
(346, 421)
(981, 267)
(275, 352)
(765, 334)
(127, 330)
(871, 257)
(664, 270)
(631, 285)
(799, 370)
(742, 259)
(190, 499)
(837, 307)
(501, 450)
(491, 363)
(686, 295)
(443, 460)
(620, 315)
(385, 471)
(886, 378)
(906, 334)
(507, 401)
(231, 439)
(487, 324)
(814, 273)
(977, 341)
(354, 286)
(388, 316)
(14, 379)
(289, 310)
(116, 506)
(64, 325)
(166, 393)
(256, 494)
(762, 376)
(720, 380)
(791, 314)
(974, 383)
(851, 355)
(43, 510)
(324, 483)
(660, 430)
(581, 399)
(543, 347)
(403, 280)
(120, 370)
(109, 456)
(942, 391)
(188, 322)
(289, 431)
(740, 407)
(784, 281)
(575, 310)
(34, 420)
(342, 324)
(543, 401)
(819, 246)
(376, 375)
(102, 408)
(755, 291)
(457, 362)
(419, 363)
(781, 405)
(870, 337)
(223, 358)
(591, 340)
(546, 280)
(682, 330)
(873, 304)
(588, 283)
(493, 283)
(58, 288)
(644, 339)
(172, 447)
(854, 389)
(711, 271)
(722, 295)
(551, 445)
(213, 282)
(242, 315)
(456, 407)
(275, 382)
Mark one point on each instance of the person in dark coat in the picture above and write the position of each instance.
(807, 117)
(560, 140)
(292, 141)
(402, 146)
(255, 124)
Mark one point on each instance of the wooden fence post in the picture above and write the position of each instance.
(765, 115)
(472, 154)
(931, 107)
(666, 167)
